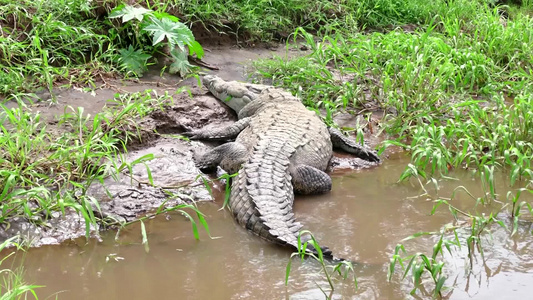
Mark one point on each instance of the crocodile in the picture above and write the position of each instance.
(279, 148)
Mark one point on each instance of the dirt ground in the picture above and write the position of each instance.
(173, 168)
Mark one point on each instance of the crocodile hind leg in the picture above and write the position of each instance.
(229, 156)
(342, 142)
(218, 133)
(310, 180)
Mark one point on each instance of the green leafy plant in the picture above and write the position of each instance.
(133, 60)
(181, 64)
(420, 264)
(165, 31)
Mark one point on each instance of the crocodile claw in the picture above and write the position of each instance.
(341, 141)
(192, 135)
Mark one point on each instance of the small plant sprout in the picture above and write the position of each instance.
(342, 268)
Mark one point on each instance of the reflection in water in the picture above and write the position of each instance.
(362, 219)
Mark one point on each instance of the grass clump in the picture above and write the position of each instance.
(343, 268)
(430, 84)
(477, 137)
(44, 41)
(258, 20)
(12, 285)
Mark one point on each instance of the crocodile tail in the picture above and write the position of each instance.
(262, 197)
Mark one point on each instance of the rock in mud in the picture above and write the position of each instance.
(58, 229)
(127, 196)
(175, 181)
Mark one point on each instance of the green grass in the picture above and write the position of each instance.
(454, 96)
(342, 268)
(45, 169)
(72, 42)
(55, 39)
(12, 284)
(66, 42)
(456, 93)
(259, 20)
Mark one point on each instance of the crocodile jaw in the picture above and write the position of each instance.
(232, 93)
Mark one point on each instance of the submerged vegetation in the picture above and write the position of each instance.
(343, 268)
(12, 285)
(451, 82)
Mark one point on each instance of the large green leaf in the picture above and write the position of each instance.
(129, 12)
(196, 48)
(181, 63)
(161, 14)
(133, 60)
(176, 33)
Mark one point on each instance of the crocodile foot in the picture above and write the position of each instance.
(342, 142)
(229, 156)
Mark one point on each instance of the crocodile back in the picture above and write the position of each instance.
(281, 134)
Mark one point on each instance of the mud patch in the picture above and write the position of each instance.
(57, 229)
(187, 113)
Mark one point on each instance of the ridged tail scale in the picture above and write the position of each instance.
(266, 181)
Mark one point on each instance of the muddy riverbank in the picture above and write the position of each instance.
(364, 217)
(175, 178)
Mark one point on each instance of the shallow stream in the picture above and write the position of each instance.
(363, 218)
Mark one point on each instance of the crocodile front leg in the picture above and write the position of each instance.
(229, 156)
(219, 133)
(342, 142)
(309, 180)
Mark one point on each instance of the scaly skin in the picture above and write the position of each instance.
(282, 147)
(282, 137)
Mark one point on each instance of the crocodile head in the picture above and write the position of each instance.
(234, 94)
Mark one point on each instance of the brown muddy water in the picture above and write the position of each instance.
(363, 218)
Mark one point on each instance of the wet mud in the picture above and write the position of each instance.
(175, 177)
